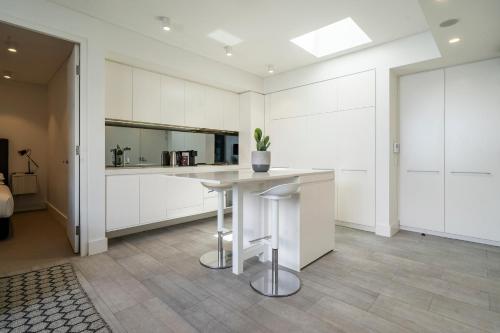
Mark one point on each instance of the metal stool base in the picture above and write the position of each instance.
(287, 284)
(211, 259)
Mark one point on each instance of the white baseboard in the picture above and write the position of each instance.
(452, 236)
(98, 246)
(386, 230)
(57, 214)
(355, 226)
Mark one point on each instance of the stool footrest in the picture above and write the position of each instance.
(253, 241)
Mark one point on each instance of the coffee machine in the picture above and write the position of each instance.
(186, 157)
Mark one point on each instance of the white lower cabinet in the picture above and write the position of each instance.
(355, 197)
(133, 200)
(153, 198)
(122, 202)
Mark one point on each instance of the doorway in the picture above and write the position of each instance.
(40, 118)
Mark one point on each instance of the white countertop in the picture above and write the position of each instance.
(110, 171)
(248, 175)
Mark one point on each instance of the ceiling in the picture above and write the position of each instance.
(265, 27)
(38, 57)
(478, 28)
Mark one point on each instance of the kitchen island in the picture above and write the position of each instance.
(307, 221)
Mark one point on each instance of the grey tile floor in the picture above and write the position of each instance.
(152, 282)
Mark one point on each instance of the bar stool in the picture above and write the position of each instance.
(221, 258)
(276, 282)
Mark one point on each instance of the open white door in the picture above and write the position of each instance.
(73, 89)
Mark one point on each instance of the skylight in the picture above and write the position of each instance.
(224, 37)
(339, 36)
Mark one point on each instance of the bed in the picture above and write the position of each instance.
(6, 200)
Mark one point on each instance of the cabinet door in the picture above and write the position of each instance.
(357, 90)
(289, 143)
(355, 197)
(147, 96)
(472, 150)
(214, 108)
(172, 101)
(118, 91)
(195, 105)
(322, 140)
(231, 112)
(323, 97)
(290, 103)
(356, 166)
(422, 150)
(153, 198)
(183, 193)
(122, 202)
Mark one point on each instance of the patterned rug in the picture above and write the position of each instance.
(47, 300)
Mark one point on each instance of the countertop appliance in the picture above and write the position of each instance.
(187, 157)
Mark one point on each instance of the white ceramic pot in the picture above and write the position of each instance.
(261, 161)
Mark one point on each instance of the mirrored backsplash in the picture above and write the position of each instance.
(141, 147)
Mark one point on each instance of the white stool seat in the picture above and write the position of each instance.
(280, 192)
(276, 282)
(218, 187)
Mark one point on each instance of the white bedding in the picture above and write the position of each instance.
(6, 202)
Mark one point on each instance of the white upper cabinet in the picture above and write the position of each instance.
(195, 104)
(290, 103)
(323, 97)
(214, 108)
(231, 112)
(146, 96)
(356, 91)
(422, 150)
(172, 101)
(472, 142)
(118, 91)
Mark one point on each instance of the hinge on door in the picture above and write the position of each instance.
(77, 69)
(77, 230)
(78, 150)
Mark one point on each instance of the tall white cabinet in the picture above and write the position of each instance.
(422, 150)
(450, 151)
(472, 144)
(330, 125)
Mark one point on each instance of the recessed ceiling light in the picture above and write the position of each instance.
(11, 46)
(339, 36)
(165, 23)
(270, 69)
(454, 40)
(7, 75)
(229, 50)
(448, 23)
(224, 37)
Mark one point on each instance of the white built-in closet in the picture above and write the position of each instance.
(450, 151)
(330, 125)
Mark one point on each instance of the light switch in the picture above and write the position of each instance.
(395, 147)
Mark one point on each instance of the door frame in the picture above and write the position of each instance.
(83, 114)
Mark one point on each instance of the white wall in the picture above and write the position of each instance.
(99, 41)
(382, 58)
(23, 120)
(58, 135)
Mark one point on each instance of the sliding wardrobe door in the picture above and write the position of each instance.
(422, 150)
(473, 150)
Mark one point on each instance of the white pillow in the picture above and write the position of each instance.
(2, 178)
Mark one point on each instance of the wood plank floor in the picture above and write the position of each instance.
(152, 282)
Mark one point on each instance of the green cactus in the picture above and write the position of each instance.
(262, 143)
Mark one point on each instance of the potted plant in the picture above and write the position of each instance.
(261, 159)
